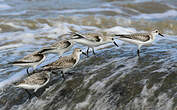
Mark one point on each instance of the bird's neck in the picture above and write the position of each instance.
(152, 36)
(76, 56)
(48, 74)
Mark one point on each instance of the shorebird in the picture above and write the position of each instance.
(38, 57)
(32, 60)
(59, 47)
(65, 63)
(139, 39)
(92, 40)
(34, 81)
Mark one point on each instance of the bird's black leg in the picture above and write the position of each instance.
(70, 73)
(54, 72)
(30, 96)
(35, 94)
(138, 52)
(27, 70)
(93, 51)
(62, 75)
(87, 51)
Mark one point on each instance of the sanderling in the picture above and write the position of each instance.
(66, 63)
(34, 81)
(139, 39)
(59, 47)
(92, 40)
(38, 57)
(31, 60)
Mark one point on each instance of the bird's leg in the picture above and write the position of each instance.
(87, 51)
(62, 75)
(29, 94)
(138, 52)
(27, 70)
(70, 73)
(54, 72)
(93, 51)
(35, 94)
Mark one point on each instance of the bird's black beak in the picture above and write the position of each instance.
(161, 35)
(85, 54)
(115, 44)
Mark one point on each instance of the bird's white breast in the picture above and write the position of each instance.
(87, 42)
(28, 86)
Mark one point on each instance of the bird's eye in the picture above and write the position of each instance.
(112, 38)
(156, 31)
(80, 50)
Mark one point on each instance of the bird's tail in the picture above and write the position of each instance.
(76, 35)
(120, 35)
(44, 50)
(73, 35)
(123, 36)
(8, 64)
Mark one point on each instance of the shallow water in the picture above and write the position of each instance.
(114, 79)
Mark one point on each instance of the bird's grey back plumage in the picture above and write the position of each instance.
(61, 44)
(77, 36)
(32, 58)
(63, 62)
(36, 78)
(137, 36)
(94, 36)
(89, 36)
(57, 45)
(45, 50)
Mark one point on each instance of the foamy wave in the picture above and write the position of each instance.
(84, 104)
(14, 13)
(118, 30)
(4, 7)
(170, 13)
(12, 79)
(91, 10)
(10, 46)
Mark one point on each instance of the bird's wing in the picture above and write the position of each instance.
(88, 36)
(30, 58)
(61, 44)
(57, 45)
(63, 62)
(46, 49)
(94, 37)
(137, 36)
(37, 78)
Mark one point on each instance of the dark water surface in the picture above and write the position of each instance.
(114, 79)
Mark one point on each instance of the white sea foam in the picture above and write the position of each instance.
(12, 79)
(14, 13)
(144, 96)
(91, 10)
(97, 86)
(164, 103)
(58, 29)
(10, 46)
(4, 6)
(13, 25)
(120, 30)
(170, 13)
(84, 104)
(35, 104)
(82, 27)
(139, 1)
